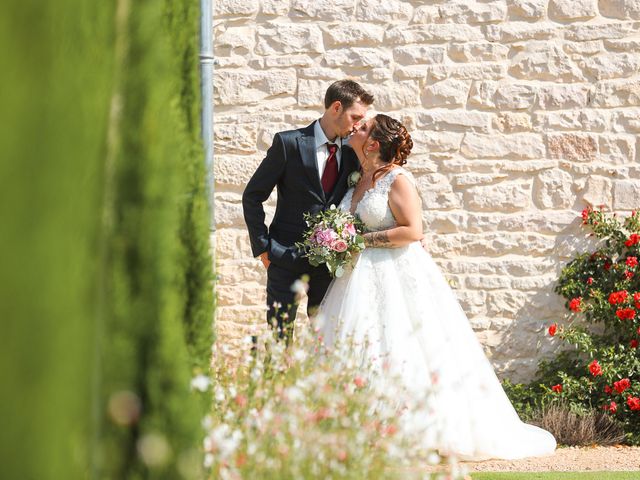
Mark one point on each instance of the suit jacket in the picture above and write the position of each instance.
(290, 165)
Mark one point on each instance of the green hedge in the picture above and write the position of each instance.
(107, 278)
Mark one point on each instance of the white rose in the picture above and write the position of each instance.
(354, 178)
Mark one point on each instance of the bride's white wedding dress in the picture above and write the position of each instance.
(399, 301)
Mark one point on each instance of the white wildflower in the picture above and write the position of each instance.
(201, 383)
(294, 394)
(299, 355)
(251, 448)
(267, 414)
(219, 394)
(207, 422)
(207, 444)
(226, 441)
(299, 288)
(433, 458)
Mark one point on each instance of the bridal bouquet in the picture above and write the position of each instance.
(333, 238)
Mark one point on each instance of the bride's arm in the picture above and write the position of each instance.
(405, 206)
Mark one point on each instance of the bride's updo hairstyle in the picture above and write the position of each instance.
(395, 143)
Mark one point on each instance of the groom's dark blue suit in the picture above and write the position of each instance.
(290, 165)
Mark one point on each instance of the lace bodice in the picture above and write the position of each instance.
(373, 209)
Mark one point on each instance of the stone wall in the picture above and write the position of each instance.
(522, 112)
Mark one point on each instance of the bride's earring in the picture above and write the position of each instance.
(366, 152)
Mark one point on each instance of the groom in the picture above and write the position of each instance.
(309, 167)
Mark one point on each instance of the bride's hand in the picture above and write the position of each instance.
(423, 242)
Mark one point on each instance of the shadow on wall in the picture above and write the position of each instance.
(525, 341)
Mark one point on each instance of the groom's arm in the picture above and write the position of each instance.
(257, 191)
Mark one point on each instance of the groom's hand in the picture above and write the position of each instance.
(264, 258)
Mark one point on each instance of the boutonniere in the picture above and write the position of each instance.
(354, 178)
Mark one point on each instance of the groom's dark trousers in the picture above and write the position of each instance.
(290, 165)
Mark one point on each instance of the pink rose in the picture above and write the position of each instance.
(350, 229)
(340, 246)
(325, 237)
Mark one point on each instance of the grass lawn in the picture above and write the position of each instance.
(556, 476)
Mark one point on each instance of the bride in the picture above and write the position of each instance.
(396, 302)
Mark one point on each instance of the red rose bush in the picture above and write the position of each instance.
(598, 367)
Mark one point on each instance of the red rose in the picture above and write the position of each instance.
(621, 385)
(595, 368)
(628, 274)
(633, 402)
(613, 407)
(618, 297)
(360, 382)
(557, 388)
(607, 265)
(553, 329)
(632, 262)
(608, 389)
(574, 304)
(626, 313)
(633, 343)
(633, 239)
(636, 299)
(589, 280)
(585, 214)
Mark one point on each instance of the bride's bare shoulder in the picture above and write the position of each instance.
(403, 184)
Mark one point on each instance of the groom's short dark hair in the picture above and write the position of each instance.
(347, 92)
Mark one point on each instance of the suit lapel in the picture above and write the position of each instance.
(307, 149)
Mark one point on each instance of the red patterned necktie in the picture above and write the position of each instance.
(330, 174)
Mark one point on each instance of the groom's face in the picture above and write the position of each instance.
(349, 118)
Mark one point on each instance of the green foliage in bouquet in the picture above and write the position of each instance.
(600, 367)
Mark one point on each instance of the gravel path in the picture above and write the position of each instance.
(568, 459)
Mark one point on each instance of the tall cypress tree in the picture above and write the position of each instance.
(107, 283)
(160, 268)
(55, 92)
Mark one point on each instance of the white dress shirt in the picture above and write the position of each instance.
(322, 152)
